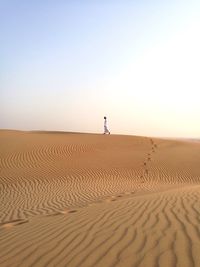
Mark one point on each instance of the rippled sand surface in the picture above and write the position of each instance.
(89, 200)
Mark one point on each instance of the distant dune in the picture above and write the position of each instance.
(87, 200)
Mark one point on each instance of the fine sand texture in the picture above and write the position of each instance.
(87, 200)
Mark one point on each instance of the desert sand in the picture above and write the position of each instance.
(72, 199)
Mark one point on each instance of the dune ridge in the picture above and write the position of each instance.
(93, 200)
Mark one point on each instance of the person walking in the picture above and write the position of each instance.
(106, 131)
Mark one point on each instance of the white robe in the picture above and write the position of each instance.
(105, 127)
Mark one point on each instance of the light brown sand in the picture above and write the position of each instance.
(93, 200)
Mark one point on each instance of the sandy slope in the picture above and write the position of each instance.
(92, 200)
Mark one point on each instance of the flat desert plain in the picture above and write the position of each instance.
(84, 200)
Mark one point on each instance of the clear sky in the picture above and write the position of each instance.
(65, 64)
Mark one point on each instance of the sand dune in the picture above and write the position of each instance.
(71, 199)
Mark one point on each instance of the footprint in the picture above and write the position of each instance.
(16, 222)
(22, 222)
(64, 211)
(72, 211)
(112, 198)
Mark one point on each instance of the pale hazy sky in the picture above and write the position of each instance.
(65, 64)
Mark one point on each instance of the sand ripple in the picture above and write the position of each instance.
(94, 200)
